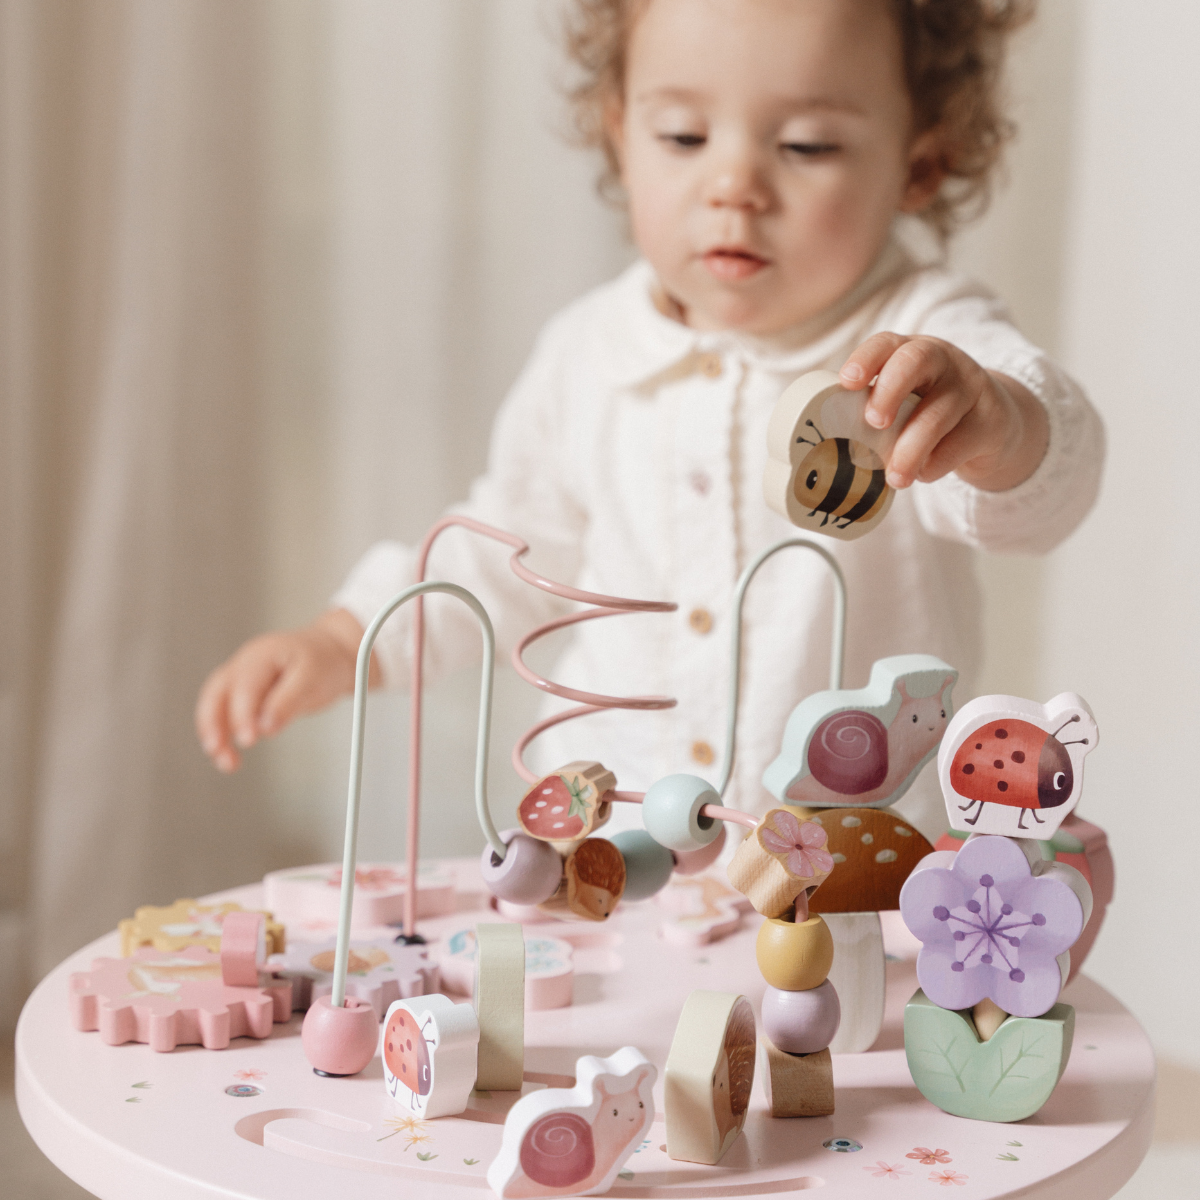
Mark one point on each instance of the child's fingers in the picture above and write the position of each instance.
(254, 674)
(920, 365)
(291, 696)
(212, 721)
(867, 361)
(939, 413)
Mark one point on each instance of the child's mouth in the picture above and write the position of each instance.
(729, 265)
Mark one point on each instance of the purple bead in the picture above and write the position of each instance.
(801, 1022)
(528, 874)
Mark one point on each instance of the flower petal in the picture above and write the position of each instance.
(812, 834)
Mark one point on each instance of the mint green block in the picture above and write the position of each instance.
(1005, 1079)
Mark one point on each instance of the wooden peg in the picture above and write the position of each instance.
(797, 1085)
(784, 856)
(500, 1006)
(859, 975)
(430, 1048)
(243, 948)
(710, 1072)
(567, 805)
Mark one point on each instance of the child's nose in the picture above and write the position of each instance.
(738, 181)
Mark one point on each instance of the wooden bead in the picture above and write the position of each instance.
(528, 874)
(801, 1022)
(784, 856)
(569, 804)
(797, 1085)
(965, 1077)
(710, 1073)
(593, 882)
(692, 863)
(671, 813)
(794, 956)
(648, 865)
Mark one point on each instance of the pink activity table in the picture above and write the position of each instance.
(254, 1121)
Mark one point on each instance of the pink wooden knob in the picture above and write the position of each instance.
(801, 1022)
(529, 873)
(692, 862)
(340, 1041)
(243, 948)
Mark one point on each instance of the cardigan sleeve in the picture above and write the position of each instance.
(527, 490)
(1036, 515)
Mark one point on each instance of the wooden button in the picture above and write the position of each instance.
(703, 753)
(710, 365)
(700, 619)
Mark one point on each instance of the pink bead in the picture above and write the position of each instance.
(340, 1041)
(528, 874)
(801, 1022)
(692, 862)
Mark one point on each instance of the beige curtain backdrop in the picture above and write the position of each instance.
(266, 268)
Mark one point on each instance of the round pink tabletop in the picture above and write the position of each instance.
(128, 1123)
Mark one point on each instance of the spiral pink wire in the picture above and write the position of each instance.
(589, 702)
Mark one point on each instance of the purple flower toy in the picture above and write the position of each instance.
(995, 921)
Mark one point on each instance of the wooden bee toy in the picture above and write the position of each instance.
(825, 465)
(1005, 759)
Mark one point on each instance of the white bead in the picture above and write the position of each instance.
(671, 813)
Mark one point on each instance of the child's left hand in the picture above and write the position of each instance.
(989, 428)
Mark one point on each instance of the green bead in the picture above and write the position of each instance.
(671, 813)
(648, 865)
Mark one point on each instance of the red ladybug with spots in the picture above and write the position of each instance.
(1021, 756)
(406, 1056)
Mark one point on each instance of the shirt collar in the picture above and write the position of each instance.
(650, 348)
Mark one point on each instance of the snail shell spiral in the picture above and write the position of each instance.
(848, 752)
(557, 1150)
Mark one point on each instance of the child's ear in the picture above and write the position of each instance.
(926, 170)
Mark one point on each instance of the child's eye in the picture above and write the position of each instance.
(810, 149)
(686, 141)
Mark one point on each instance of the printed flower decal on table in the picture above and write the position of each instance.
(881, 1170)
(990, 927)
(929, 1158)
(802, 844)
(946, 1178)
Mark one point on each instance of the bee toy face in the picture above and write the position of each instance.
(825, 469)
(1013, 767)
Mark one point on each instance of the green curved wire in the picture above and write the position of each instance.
(837, 654)
(362, 671)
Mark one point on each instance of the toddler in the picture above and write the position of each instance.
(766, 150)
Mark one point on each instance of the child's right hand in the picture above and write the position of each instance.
(275, 678)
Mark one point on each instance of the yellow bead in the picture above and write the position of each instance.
(794, 957)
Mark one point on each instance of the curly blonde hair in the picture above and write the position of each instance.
(953, 61)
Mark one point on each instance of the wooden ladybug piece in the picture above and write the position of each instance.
(569, 804)
(825, 464)
(1015, 767)
(864, 746)
(429, 1047)
(573, 1141)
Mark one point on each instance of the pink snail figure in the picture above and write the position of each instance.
(573, 1141)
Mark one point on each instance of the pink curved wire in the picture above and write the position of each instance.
(589, 702)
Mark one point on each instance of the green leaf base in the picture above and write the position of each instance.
(1005, 1079)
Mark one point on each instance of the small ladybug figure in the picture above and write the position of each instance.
(1008, 752)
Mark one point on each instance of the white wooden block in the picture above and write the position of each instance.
(710, 1072)
(573, 1141)
(858, 975)
(500, 1006)
(429, 1048)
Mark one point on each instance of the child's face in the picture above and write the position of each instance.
(766, 148)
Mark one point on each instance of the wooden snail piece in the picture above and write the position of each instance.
(825, 464)
(1015, 767)
(573, 1141)
(864, 746)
